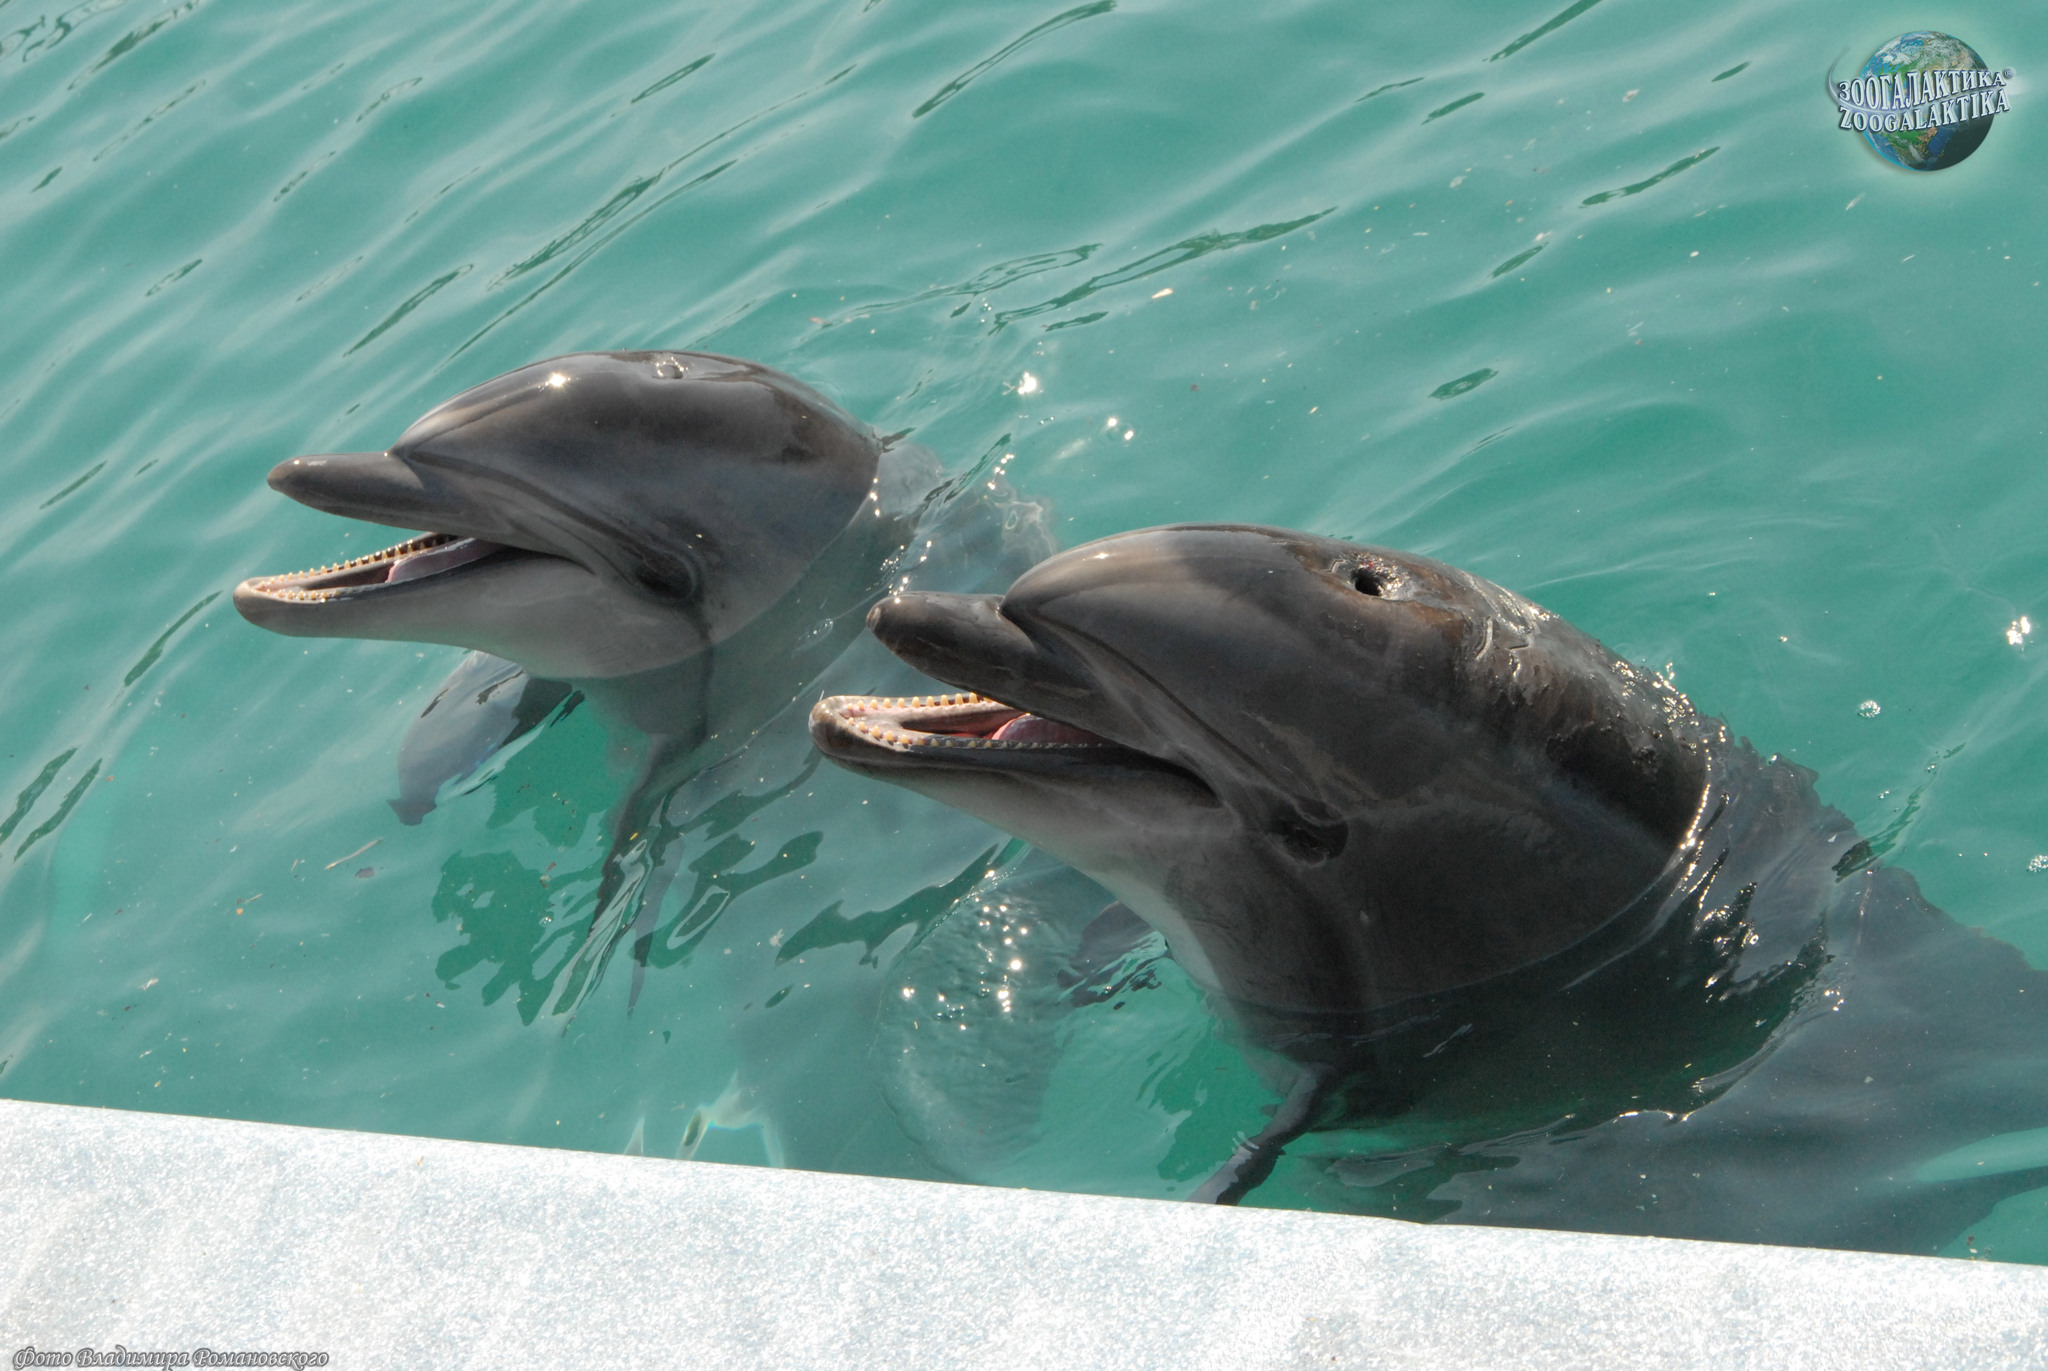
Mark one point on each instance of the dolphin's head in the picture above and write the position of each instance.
(595, 515)
(1334, 776)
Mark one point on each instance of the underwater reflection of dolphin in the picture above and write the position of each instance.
(685, 539)
(486, 704)
(1575, 957)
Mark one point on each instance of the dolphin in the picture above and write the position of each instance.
(683, 539)
(1458, 875)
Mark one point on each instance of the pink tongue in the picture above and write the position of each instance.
(1029, 728)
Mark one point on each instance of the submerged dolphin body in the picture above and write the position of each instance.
(1575, 957)
(685, 540)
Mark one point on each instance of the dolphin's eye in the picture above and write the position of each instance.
(1367, 581)
(664, 576)
(1312, 843)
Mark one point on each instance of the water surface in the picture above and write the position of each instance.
(1592, 300)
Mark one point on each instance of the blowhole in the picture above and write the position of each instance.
(1366, 581)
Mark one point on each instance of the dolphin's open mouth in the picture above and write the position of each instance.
(968, 641)
(921, 723)
(430, 554)
(968, 730)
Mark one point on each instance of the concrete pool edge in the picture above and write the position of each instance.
(168, 1233)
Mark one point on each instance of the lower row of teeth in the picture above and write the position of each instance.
(275, 585)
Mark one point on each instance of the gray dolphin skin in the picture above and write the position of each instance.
(686, 540)
(1459, 875)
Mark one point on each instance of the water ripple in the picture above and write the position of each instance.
(1455, 105)
(1562, 18)
(412, 302)
(1152, 263)
(156, 649)
(26, 41)
(150, 118)
(589, 228)
(64, 808)
(1640, 186)
(1391, 85)
(669, 80)
(967, 78)
(134, 39)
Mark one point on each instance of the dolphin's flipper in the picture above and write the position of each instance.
(486, 703)
(1090, 975)
(1256, 1157)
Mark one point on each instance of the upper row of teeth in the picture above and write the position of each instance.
(884, 733)
(878, 703)
(273, 585)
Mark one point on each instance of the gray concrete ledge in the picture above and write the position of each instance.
(160, 1233)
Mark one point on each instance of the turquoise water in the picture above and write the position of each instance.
(1595, 301)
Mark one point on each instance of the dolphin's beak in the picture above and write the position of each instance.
(1025, 705)
(375, 487)
(967, 641)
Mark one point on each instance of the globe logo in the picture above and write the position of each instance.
(1924, 101)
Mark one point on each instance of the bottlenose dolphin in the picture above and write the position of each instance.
(686, 540)
(1467, 879)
